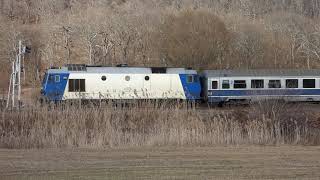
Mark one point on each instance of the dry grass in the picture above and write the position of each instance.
(231, 162)
(152, 124)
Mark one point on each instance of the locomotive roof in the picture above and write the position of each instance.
(262, 72)
(123, 70)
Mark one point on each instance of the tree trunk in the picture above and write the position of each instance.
(90, 53)
(308, 61)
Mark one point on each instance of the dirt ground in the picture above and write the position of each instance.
(251, 162)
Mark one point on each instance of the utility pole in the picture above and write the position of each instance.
(14, 93)
(19, 72)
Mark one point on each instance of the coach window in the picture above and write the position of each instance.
(190, 79)
(77, 85)
(214, 85)
(225, 84)
(309, 83)
(104, 78)
(292, 83)
(274, 84)
(57, 78)
(239, 84)
(257, 83)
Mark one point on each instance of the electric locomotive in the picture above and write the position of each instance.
(85, 82)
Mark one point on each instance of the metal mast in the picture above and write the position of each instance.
(14, 93)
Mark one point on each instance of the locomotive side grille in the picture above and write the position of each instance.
(76, 67)
(159, 70)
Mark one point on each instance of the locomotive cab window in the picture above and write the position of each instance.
(77, 85)
(239, 84)
(274, 84)
(56, 78)
(214, 85)
(292, 83)
(309, 83)
(190, 79)
(225, 84)
(257, 83)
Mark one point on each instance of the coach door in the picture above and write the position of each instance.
(214, 84)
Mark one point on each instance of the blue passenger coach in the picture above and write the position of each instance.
(240, 85)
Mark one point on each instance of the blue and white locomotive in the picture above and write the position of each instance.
(72, 82)
(120, 83)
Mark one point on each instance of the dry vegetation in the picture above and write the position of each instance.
(155, 125)
(202, 34)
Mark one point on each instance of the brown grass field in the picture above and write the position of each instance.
(221, 162)
(268, 140)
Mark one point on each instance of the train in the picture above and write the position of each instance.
(123, 82)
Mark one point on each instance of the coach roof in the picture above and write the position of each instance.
(261, 72)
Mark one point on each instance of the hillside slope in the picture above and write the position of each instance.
(202, 34)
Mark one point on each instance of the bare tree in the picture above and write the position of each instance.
(67, 36)
(193, 38)
(310, 46)
(107, 46)
(90, 36)
(251, 48)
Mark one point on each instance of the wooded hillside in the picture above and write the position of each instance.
(197, 33)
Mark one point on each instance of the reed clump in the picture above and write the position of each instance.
(150, 124)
